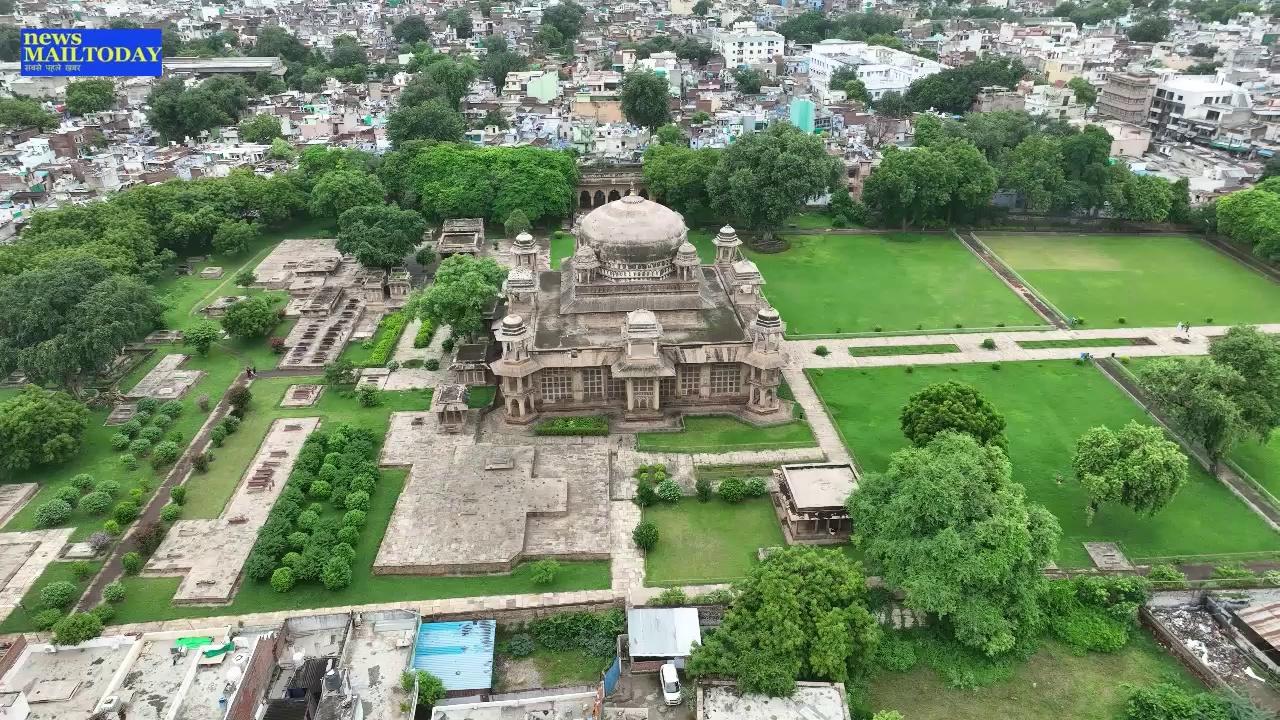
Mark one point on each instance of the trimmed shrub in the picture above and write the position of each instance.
(111, 527)
(114, 592)
(165, 453)
(132, 562)
(320, 490)
(52, 513)
(104, 612)
(218, 435)
(140, 447)
(119, 441)
(46, 619)
(895, 654)
(125, 512)
(668, 491)
(343, 550)
(357, 500)
(201, 462)
(59, 594)
(520, 645)
(81, 569)
(202, 402)
(142, 416)
(68, 495)
(282, 580)
(307, 520)
(354, 519)
(671, 597)
(368, 396)
(388, 335)
(298, 540)
(259, 565)
(645, 535)
(732, 490)
(129, 461)
(426, 331)
(336, 573)
(99, 541)
(96, 503)
(989, 344)
(431, 363)
(77, 628)
(645, 495)
(349, 535)
(161, 421)
(82, 482)
(1165, 573)
(131, 428)
(148, 405)
(178, 494)
(756, 487)
(172, 409)
(822, 351)
(543, 572)
(170, 512)
(702, 488)
(151, 433)
(573, 426)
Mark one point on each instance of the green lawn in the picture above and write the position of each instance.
(722, 433)
(808, 221)
(556, 668)
(23, 616)
(709, 542)
(207, 494)
(1077, 343)
(1149, 281)
(561, 247)
(878, 350)
(1047, 405)
(1055, 683)
(836, 284)
(481, 396)
(359, 353)
(1261, 461)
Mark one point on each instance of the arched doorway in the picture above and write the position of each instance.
(584, 200)
(614, 195)
(599, 198)
(644, 193)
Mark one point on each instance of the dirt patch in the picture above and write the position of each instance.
(514, 675)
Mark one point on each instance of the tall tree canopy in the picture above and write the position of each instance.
(340, 190)
(1199, 397)
(379, 236)
(412, 29)
(432, 120)
(677, 176)
(953, 90)
(463, 290)
(1255, 355)
(930, 186)
(566, 18)
(1253, 217)
(1137, 467)
(766, 177)
(261, 128)
(40, 427)
(646, 99)
(955, 407)
(801, 614)
(178, 112)
(90, 95)
(23, 113)
(948, 526)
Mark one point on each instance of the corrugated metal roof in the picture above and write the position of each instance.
(459, 653)
(662, 632)
(1264, 620)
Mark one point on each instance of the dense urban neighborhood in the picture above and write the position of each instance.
(668, 359)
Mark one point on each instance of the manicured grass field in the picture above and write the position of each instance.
(22, 617)
(1078, 343)
(719, 433)
(835, 284)
(879, 350)
(709, 542)
(1149, 281)
(1047, 406)
(1054, 683)
(1261, 461)
(561, 247)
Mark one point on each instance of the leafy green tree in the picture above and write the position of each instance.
(496, 65)
(678, 175)
(430, 688)
(254, 317)
(336, 573)
(452, 79)
(412, 29)
(697, 52)
(765, 177)
(347, 53)
(801, 614)
(806, 28)
(380, 236)
(891, 104)
(202, 335)
(340, 190)
(460, 20)
(1137, 467)
(234, 237)
(856, 90)
(517, 222)
(1180, 201)
(432, 120)
(1085, 93)
(947, 525)
(748, 80)
(90, 95)
(10, 43)
(1144, 198)
(953, 90)
(645, 535)
(1034, 169)
(178, 112)
(261, 128)
(550, 38)
(23, 113)
(889, 41)
(1252, 217)
(40, 427)
(645, 99)
(1151, 29)
(281, 150)
(1198, 397)
(951, 406)
(565, 18)
(1255, 355)
(670, 134)
(930, 185)
(464, 288)
(701, 8)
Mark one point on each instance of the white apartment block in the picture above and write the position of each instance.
(880, 68)
(1198, 108)
(1057, 103)
(747, 44)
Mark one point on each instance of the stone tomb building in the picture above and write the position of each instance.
(635, 324)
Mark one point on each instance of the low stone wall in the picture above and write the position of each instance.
(1170, 642)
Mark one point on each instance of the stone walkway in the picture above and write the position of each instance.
(1006, 350)
(824, 431)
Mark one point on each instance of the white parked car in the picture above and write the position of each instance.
(670, 683)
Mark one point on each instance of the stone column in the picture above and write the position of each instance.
(631, 400)
(657, 384)
(577, 386)
(704, 381)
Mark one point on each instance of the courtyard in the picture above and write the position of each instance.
(721, 433)
(837, 284)
(726, 538)
(1146, 280)
(1047, 406)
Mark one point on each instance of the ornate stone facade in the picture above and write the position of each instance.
(634, 323)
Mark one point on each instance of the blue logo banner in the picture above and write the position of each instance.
(90, 52)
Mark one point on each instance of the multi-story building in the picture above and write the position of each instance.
(746, 44)
(1198, 108)
(1057, 103)
(880, 68)
(1127, 96)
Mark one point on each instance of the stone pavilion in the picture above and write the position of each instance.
(635, 324)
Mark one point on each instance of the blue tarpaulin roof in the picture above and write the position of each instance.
(459, 653)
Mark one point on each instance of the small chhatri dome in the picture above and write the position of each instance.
(633, 231)
(687, 254)
(767, 317)
(584, 258)
(519, 278)
(524, 241)
(641, 320)
(512, 325)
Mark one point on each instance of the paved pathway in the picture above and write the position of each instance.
(814, 411)
(1007, 348)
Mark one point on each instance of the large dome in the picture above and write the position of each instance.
(633, 231)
